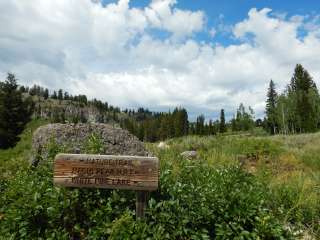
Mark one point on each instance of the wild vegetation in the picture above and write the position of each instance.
(15, 112)
(297, 110)
(243, 184)
(62, 107)
(272, 193)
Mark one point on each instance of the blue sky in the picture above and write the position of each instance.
(232, 11)
(159, 54)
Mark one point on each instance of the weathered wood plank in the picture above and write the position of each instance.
(107, 171)
(141, 203)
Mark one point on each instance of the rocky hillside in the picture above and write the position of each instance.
(71, 111)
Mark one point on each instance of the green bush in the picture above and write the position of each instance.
(194, 201)
(257, 147)
(221, 203)
(94, 144)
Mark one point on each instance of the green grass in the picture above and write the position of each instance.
(289, 165)
(14, 159)
(276, 188)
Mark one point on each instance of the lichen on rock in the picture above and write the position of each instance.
(74, 139)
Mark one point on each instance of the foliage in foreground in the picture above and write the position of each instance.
(195, 201)
(210, 197)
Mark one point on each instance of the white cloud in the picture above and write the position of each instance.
(163, 15)
(110, 52)
(212, 32)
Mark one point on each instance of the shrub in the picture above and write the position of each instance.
(194, 201)
(94, 144)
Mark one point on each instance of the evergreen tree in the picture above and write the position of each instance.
(15, 112)
(192, 128)
(164, 130)
(54, 95)
(271, 108)
(60, 94)
(180, 121)
(222, 127)
(297, 110)
(33, 90)
(305, 96)
(200, 125)
(46, 93)
(22, 89)
(66, 96)
(210, 128)
(83, 99)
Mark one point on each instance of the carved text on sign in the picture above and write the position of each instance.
(106, 171)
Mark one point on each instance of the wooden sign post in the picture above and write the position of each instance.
(109, 171)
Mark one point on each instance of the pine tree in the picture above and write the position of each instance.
(15, 112)
(211, 129)
(180, 121)
(271, 108)
(222, 126)
(33, 90)
(22, 89)
(305, 98)
(54, 95)
(60, 94)
(200, 125)
(164, 130)
(185, 122)
(46, 93)
(66, 96)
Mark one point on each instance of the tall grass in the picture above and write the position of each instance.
(289, 165)
(18, 157)
(273, 193)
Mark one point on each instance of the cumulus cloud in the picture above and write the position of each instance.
(113, 52)
(181, 23)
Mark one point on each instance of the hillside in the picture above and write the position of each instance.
(238, 186)
(74, 111)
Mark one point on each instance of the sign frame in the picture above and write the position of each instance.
(138, 173)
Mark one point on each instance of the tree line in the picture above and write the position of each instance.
(66, 108)
(152, 126)
(146, 125)
(297, 109)
(61, 95)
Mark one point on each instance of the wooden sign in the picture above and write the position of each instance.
(106, 171)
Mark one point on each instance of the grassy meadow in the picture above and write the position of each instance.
(239, 187)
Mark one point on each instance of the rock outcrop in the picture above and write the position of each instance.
(189, 154)
(73, 137)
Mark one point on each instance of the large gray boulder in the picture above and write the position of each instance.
(73, 139)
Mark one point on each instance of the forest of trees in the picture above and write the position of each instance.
(146, 125)
(56, 111)
(151, 127)
(297, 109)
